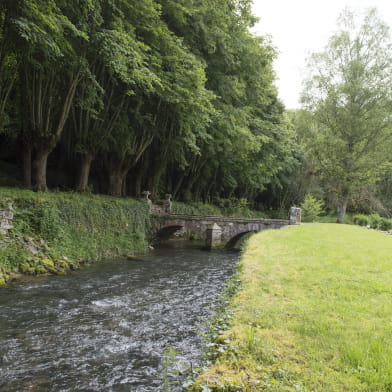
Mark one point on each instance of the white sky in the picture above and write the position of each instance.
(300, 27)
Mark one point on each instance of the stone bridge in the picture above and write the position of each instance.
(216, 231)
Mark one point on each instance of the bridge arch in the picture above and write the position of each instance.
(166, 232)
(237, 238)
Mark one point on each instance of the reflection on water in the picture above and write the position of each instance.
(106, 328)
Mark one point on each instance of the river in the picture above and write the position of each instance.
(113, 326)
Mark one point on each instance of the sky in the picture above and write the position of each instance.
(301, 27)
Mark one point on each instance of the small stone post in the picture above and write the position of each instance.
(214, 237)
(295, 216)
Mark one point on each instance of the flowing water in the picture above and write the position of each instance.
(111, 326)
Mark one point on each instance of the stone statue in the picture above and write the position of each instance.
(146, 195)
(167, 204)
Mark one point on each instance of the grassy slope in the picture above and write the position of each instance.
(314, 314)
(74, 228)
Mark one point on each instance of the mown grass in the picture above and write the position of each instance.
(314, 314)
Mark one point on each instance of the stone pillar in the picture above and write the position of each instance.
(214, 237)
(295, 216)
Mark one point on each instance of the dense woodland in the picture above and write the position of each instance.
(178, 96)
(121, 96)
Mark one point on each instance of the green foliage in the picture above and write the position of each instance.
(361, 220)
(39, 217)
(221, 207)
(312, 208)
(349, 133)
(68, 228)
(11, 256)
(172, 96)
(169, 358)
(385, 224)
(237, 208)
(375, 221)
(195, 209)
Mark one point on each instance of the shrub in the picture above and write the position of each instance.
(361, 220)
(374, 221)
(385, 224)
(311, 208)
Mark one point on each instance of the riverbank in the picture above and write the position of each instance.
(313, 314)
(57, 232)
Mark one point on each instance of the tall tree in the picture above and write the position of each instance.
(349, 93)
(8, 56)
(119, 66)
(51, 68)
(242, 152)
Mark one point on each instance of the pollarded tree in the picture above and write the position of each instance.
(119, 66)
(51, 69)
(349, 94)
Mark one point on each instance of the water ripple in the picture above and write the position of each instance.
(106, 328)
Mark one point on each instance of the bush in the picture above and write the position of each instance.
(385, 224)
(361, 220)
(374, 221)
(311, 208)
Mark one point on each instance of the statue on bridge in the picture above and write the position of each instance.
(161, 208)
(167, 204)
(146, 195)
(217, 231)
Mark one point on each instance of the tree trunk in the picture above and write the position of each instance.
(187, 190)
(116, 179)
(40, 164)
(177, 188)
(138, 183)
(342, 210)
(84, 172)
(27, 165)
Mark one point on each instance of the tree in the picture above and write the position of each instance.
(119, 67)
(8, 57)
(51, 68)
(349, 95)
(246, 143)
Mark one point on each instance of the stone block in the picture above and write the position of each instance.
(214, 237)
(295, 215)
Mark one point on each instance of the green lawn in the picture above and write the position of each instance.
(314, 314)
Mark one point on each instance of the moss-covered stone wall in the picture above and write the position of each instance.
(56, 232)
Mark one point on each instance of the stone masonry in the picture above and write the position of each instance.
(216, 231)
(6, 217)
